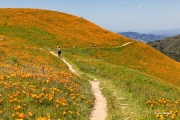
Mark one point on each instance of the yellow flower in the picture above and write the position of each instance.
(21, 115)
(173, 117)
(50, 99)
(77, 113)
(29, 114)
(18, 107)
(40, 101)
(24, 105)
(70, 112)
(43, 88)
(64, 113)
(57, 105)
(13, 115)
(63, 104)
(23, 92)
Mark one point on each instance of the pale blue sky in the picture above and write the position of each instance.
(113, 15)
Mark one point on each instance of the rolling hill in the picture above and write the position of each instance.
(168, 46)
(42, 26)
(37, 85)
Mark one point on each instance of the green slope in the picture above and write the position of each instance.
(122, 85)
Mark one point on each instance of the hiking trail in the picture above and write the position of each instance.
(124, 44)
(99, 110)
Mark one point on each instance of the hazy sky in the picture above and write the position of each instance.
(113, 15)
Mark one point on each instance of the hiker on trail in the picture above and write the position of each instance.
(94, 45)
(58, 51)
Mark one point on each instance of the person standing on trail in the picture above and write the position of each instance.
(58, 51)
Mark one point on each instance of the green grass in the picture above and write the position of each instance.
(135, 87)
(33, 35)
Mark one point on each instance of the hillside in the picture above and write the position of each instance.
(50, 28)
(142, 37)
(33, 83)
(131, 76)
(169, 46)
(135, 79)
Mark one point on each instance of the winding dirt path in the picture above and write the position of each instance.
(99, 111)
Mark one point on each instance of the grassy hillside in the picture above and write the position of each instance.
(126, 78)
(140, 57)
(34, 82)
(136, 56)
(49, 28)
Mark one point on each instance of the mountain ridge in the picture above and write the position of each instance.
(142, 37)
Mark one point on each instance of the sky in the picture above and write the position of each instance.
(113, 15)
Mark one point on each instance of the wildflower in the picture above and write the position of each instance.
(21, 115)
(173, 117)
(70, 112)
(77, 113)
(24, 105)
(63, 104)
(40, 101)
(29, 114)
(16, 107)
(57, 105)
(13, 115)
(64, 113)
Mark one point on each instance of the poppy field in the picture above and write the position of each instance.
(50, 28)
(137, 81)
(36, 85)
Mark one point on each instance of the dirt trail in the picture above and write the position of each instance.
(99, 111)
(124, 44)
(70, 67)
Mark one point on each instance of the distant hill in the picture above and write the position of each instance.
(170, 46)
(169, 32)
(142, 37)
